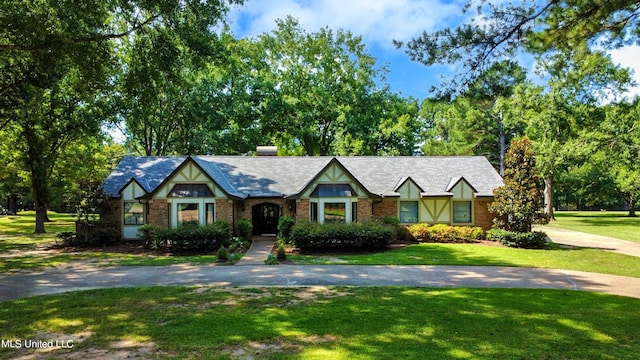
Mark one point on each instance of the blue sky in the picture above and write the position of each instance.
(378, 22)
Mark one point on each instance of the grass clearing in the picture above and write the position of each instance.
(25, 222)
(590, 260)
(606, 223)
(328, 323)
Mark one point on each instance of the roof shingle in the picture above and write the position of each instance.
(243, 176)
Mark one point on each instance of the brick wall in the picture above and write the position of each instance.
(364, 210)
(388, 207)
(302, 210)
(224, 211)
(483, 218)
(158, 212)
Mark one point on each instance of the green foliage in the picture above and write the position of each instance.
(558, 27)
(148, 233)
(281, 253)
(238, 243)
(517, 204)
(285, 224)
(193, 238)
(271, 260)
(424, 232)
(391, 220)
(222, 254)
(244, 228)
(401, 233)
(369, 235)
(525, 240)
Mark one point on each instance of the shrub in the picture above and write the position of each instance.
(222, 254)
(280, 253)
(238, 243)
(194, 238)
(68, 238)
(103, 238)
(148, 233)
(370, 235)
(391, 220)
(245, 228)
(271, 260)
(525, 240)
(445, 233)
(400, 232)
(285, 224)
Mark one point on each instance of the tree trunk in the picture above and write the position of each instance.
(41, 209)
(503, 145)
(631, 206)
(548, 197)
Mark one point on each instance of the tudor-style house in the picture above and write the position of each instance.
(176, 190)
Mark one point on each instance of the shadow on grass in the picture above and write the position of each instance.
(366, 323)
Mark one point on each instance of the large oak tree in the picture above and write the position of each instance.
(57, 59)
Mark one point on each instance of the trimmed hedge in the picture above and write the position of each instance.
(424, 232)
(525, 240)
(187, 238)
(308, 235)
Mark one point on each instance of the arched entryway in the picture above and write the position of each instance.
(265, 218)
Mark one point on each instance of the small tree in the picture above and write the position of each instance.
(518, 203)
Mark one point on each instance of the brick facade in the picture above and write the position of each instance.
(388, 207)
(482, 217)
(158, 213)
(302, 209)
(364, 210)
(224, 211)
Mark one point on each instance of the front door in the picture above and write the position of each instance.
(265, 218)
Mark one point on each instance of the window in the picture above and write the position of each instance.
(188, 214)
(462, 212)
(313, 213)
(210, 216)
(333, 190)
(133, 213)
(408, 212)
(190, 190)
(354, 212)
(334, 212)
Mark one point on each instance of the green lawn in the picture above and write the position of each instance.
(24, 223)
(333, 323)
(16, 236)
(607, 223)
(477, 255)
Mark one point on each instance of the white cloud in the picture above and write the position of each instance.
(628, 57)
(377, 21)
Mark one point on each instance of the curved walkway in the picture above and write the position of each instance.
(250, 272)
(580, 239)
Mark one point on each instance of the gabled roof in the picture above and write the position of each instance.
(455, 180)
(147, 171)
(333, 161)
(243, 176)
(403, 180)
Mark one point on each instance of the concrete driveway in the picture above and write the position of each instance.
(87, 277)
(250, 271)
(580, 239)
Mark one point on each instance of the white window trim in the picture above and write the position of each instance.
(202, 211)
(417, 213)
(347, 201)
(453, 212)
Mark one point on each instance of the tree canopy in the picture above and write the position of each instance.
(499, 30)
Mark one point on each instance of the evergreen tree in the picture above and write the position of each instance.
(517, 204)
